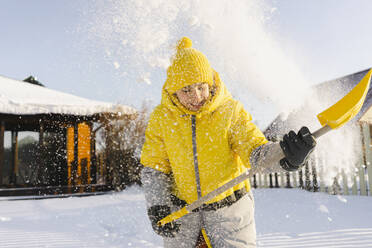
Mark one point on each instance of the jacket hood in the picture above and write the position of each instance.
(218, 96)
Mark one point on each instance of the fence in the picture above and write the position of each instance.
(309, 178)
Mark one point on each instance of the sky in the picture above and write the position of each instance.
(268, 53)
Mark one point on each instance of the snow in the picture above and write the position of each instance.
(243, 38)
(284, 218)
(17, 97)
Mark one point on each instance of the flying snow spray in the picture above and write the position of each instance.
(138, 37)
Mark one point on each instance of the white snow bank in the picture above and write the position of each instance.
(284, 218)
(297, 218)
(17, 97)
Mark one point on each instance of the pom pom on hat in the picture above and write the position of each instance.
(185, 42)
(189, 66)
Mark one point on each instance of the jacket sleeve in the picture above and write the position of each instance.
(157, 187)
(244, 136)
(154, 153)
(265, 158)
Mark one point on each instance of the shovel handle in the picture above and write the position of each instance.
(323, 130)
(244, 176)
(189, 208)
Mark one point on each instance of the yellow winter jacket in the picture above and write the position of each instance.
(224, 138)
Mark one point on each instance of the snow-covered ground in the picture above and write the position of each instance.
(284, 218)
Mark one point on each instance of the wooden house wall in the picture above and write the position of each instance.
(75, 139)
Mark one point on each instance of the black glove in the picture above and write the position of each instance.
(157, 213)
(296, 148)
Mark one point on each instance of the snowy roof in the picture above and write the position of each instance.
(17, 97)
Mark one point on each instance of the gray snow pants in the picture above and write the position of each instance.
(227, 227)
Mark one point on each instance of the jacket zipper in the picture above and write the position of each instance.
(195, 153)
(197, 175)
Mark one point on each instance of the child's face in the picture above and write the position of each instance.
(194, 96)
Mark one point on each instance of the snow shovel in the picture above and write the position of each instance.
(333, 117)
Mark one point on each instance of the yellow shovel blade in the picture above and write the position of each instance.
(348, 107)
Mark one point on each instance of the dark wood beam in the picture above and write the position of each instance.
(93, 159)
(2, 130)
(75, 174)
(14, 157)
(41, 134)
(40, 155)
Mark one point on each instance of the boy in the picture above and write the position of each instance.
(198, 139)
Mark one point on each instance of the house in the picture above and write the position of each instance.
(59, 152)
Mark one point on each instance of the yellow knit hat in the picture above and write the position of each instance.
(189, 66)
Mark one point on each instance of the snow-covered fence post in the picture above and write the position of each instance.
(282, 183)
(294, 179)
(367, 152)
(354, 188)
(369, 176)
(345, 185)
(300, 178)
(288, 177)
(362, 180)
(255, 181)
(262, 183)
(315, 179)
(317, 167)
(271, 180)
(265, 182)
(259, 181)
(307, 177)
(276, 180)
(369, 173)
(321, 176)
